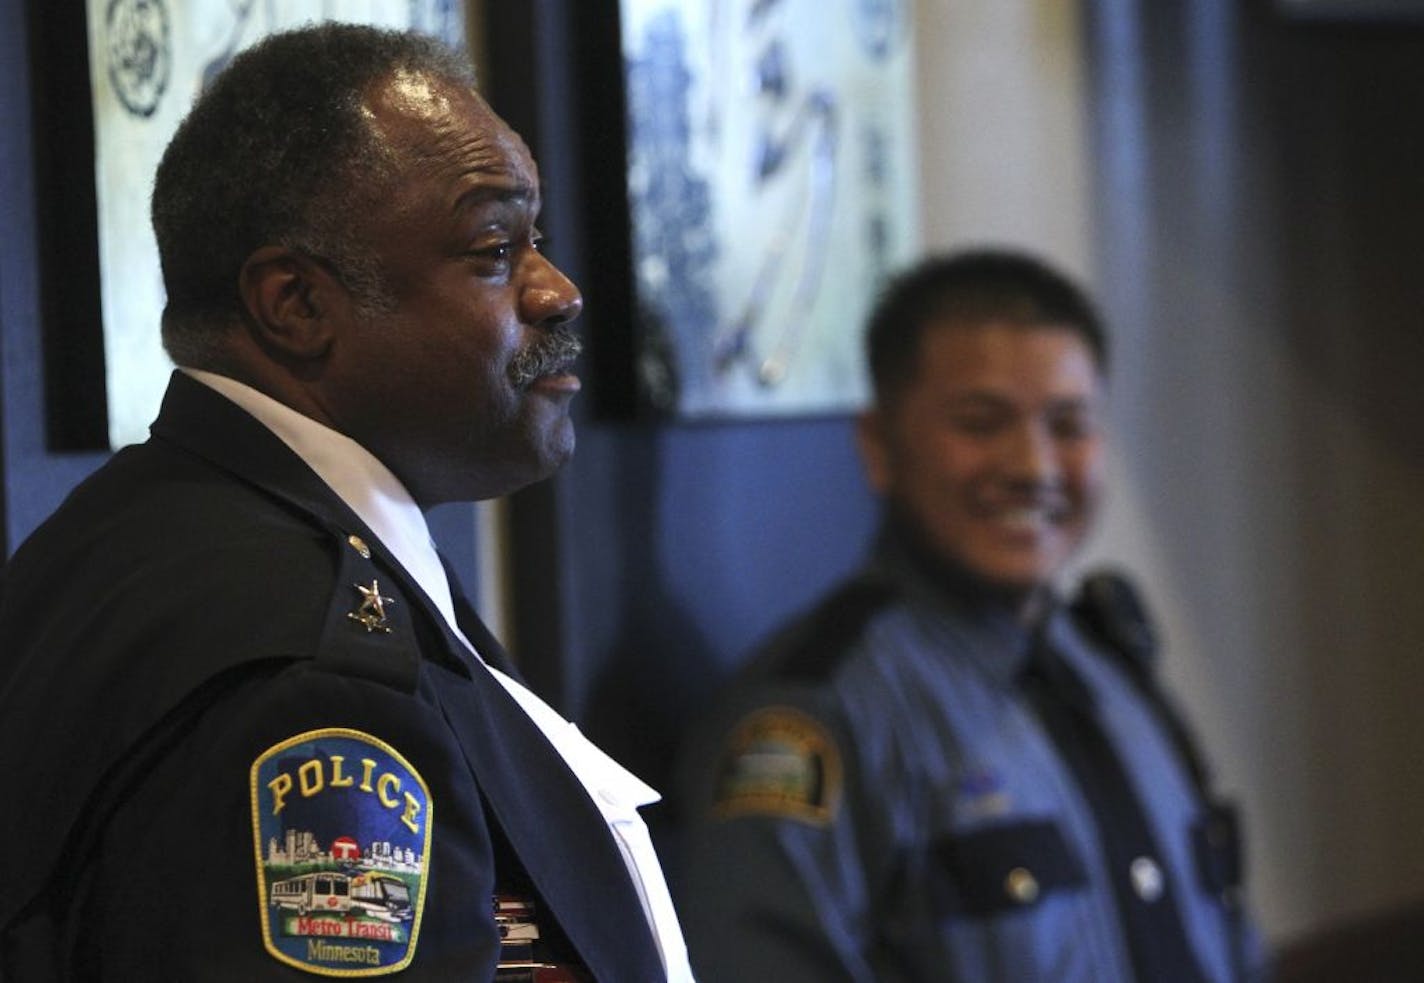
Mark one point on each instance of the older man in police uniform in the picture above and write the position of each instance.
(250, 730)
(944, 772)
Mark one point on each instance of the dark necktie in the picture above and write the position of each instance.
(1151, 920)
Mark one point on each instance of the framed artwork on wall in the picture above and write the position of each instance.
(771, 184)
(146, 61)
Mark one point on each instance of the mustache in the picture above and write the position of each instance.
(554, 352)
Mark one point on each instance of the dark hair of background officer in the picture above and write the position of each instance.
(973, 287)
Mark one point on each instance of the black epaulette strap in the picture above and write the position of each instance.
(817, 645)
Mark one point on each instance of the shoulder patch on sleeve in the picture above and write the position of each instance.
(781, 763)
(342, 826)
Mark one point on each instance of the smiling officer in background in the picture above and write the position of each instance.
(944, 772)
(250, 729)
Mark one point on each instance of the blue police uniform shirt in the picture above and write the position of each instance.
(875, 798)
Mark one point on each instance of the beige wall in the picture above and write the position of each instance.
(1003, 127)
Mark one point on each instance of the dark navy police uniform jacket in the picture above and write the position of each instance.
(240, 743)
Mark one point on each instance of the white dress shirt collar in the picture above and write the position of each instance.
(357, 477)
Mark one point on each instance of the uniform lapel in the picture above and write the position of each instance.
(558, 833)
(555, 828)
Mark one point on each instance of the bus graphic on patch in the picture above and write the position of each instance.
(342, 826)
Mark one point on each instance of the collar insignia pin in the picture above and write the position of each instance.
(371, 613)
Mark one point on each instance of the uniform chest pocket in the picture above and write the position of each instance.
(1006, 866)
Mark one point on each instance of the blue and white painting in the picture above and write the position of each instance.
(772, 186)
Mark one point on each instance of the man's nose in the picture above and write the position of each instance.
(548, 296)
(1030, 455)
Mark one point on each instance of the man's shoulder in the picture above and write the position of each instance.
(149, 493)
(814, 645)
(157, 551)
(159, 578)
(773, 743)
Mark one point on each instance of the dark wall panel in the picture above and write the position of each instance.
(37, 477)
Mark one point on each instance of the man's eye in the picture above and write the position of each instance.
(973, 423)
(499, 252)
(1073, 427)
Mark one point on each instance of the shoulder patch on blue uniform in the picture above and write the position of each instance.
(342, 828)
(781, 763)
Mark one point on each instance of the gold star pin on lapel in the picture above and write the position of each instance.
(371, 613)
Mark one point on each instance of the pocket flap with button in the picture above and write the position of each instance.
(1008, 865)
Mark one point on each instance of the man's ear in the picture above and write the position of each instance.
(873, 440)
(291, 300)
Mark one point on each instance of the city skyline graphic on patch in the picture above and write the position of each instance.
(342, 826)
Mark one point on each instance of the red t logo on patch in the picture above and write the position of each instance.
(345, 848)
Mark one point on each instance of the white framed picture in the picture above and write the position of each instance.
(772, 185)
